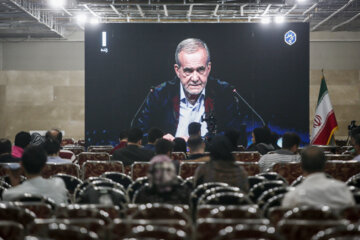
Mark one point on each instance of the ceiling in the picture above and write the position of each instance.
(37, 19)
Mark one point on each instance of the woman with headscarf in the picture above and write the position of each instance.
(261, 138)
(163, 187)
(221, 167)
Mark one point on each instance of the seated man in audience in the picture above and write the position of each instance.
(123, 139)
(196, 149)
(54, 133)
(164, 147)
(357, 147)
(194, 129)
(33, 161)
(221, 167)
(288, 153)
(180, 145)
(317, 190)
(5, 152)
(22, 140)
(233, 137)
(164, 186)
(52, 148)
(134, 152)
(153, 135)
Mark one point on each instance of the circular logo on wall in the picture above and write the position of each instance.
(290, 37)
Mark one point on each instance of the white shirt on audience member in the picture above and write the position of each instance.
(317, 190)
(57, 159)
(279, 156)
(53, 188)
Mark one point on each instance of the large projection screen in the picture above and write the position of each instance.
(267, 63)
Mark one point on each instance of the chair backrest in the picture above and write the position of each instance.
(63, 231)
(200, 190)
(178, 156)
(297, 181)
(81, 142)
(156, 232)
(351, 213)
(294, 229)
(160, 211)
(349, 232)
(187, 169)
(342, 170)
(312, 213)
(252, 168)
(343, 157)
(289, 170)
(67, 141)
(242, 231)
(235, 212)
(228, 198)
(253, 180)
(85, 156)
(189, 182)
(272, 202)
(272, 176)
(66, 155)
(246, 156)
(32, 198)
(81, 211)
(139, 169)
(40, 209)
(275, 214)
(217, 190)
(11, 230)
(75, 149)
(272, 192)
(51, 169)
(71, 182)
(16, 214)
(96, 168)
(136, 185)
(92, 147)
(256, 191)
(120, 178)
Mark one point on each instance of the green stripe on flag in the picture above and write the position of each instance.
(323, 90)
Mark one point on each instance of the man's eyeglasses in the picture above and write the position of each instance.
(189, 71)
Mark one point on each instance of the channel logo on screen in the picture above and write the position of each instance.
(290, 37)
(104, 48)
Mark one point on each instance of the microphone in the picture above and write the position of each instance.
(247, 104)
(151, 90)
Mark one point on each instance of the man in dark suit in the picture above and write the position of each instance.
(134, 152)
(192, 94)
(5, 152)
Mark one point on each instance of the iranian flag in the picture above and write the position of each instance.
(325, 121)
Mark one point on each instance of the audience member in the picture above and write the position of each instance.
(22, 140)
(134, 151)
(33, 161)
(317, 189)
(163, 146)
(221, 167)
(196, 149)
(5, 152)
(52, 148)
(288, 153)
(233, 137)
(164, 186)
(54, 133)
(179, 145)
(261, 138)
(37, 139)
(194, 129)
(357, 147)
(123, 139)
(153, 135)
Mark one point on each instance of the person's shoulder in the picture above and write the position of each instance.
(166, 85)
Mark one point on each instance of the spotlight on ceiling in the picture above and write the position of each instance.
(279, 19)
(301, 1)
(94, 20)
(265, 20)
(81, 19)
(57, 3)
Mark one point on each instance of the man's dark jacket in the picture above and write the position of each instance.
(163, 105)
(131, 154)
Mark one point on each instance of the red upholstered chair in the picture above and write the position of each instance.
(178, 155)
(121, 178)
(66, 155)
(81, 142)
(342, 170)
(350, 232)
(67, 141)
(75, 149)
(157, 232)
(256, 191)
(82, 211)
(312, 213)
(96, 168)
(71, 182)
(294, 229)
(100, 149)
(272, 192)
(217, 190)
(139, 169)
(242, 231)
(51, 169)
(10, 230)
(63, 231)
(290, 171)
(351, 213)
(85, 156)
(20, 215)
(160, 211)
(252, 168)
(275, 214)
(123, 227)
(235, 212)
(136, 185)
(41, 210)
(187, 169)
(208, 228)
(246, 156)
(343, 157)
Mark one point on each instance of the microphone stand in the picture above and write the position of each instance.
(248, 105)
(141, 106)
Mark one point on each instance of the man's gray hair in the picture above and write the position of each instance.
(191, 45)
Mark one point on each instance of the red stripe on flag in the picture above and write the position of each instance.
(323, 137)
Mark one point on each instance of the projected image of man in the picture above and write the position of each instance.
(175, 104)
